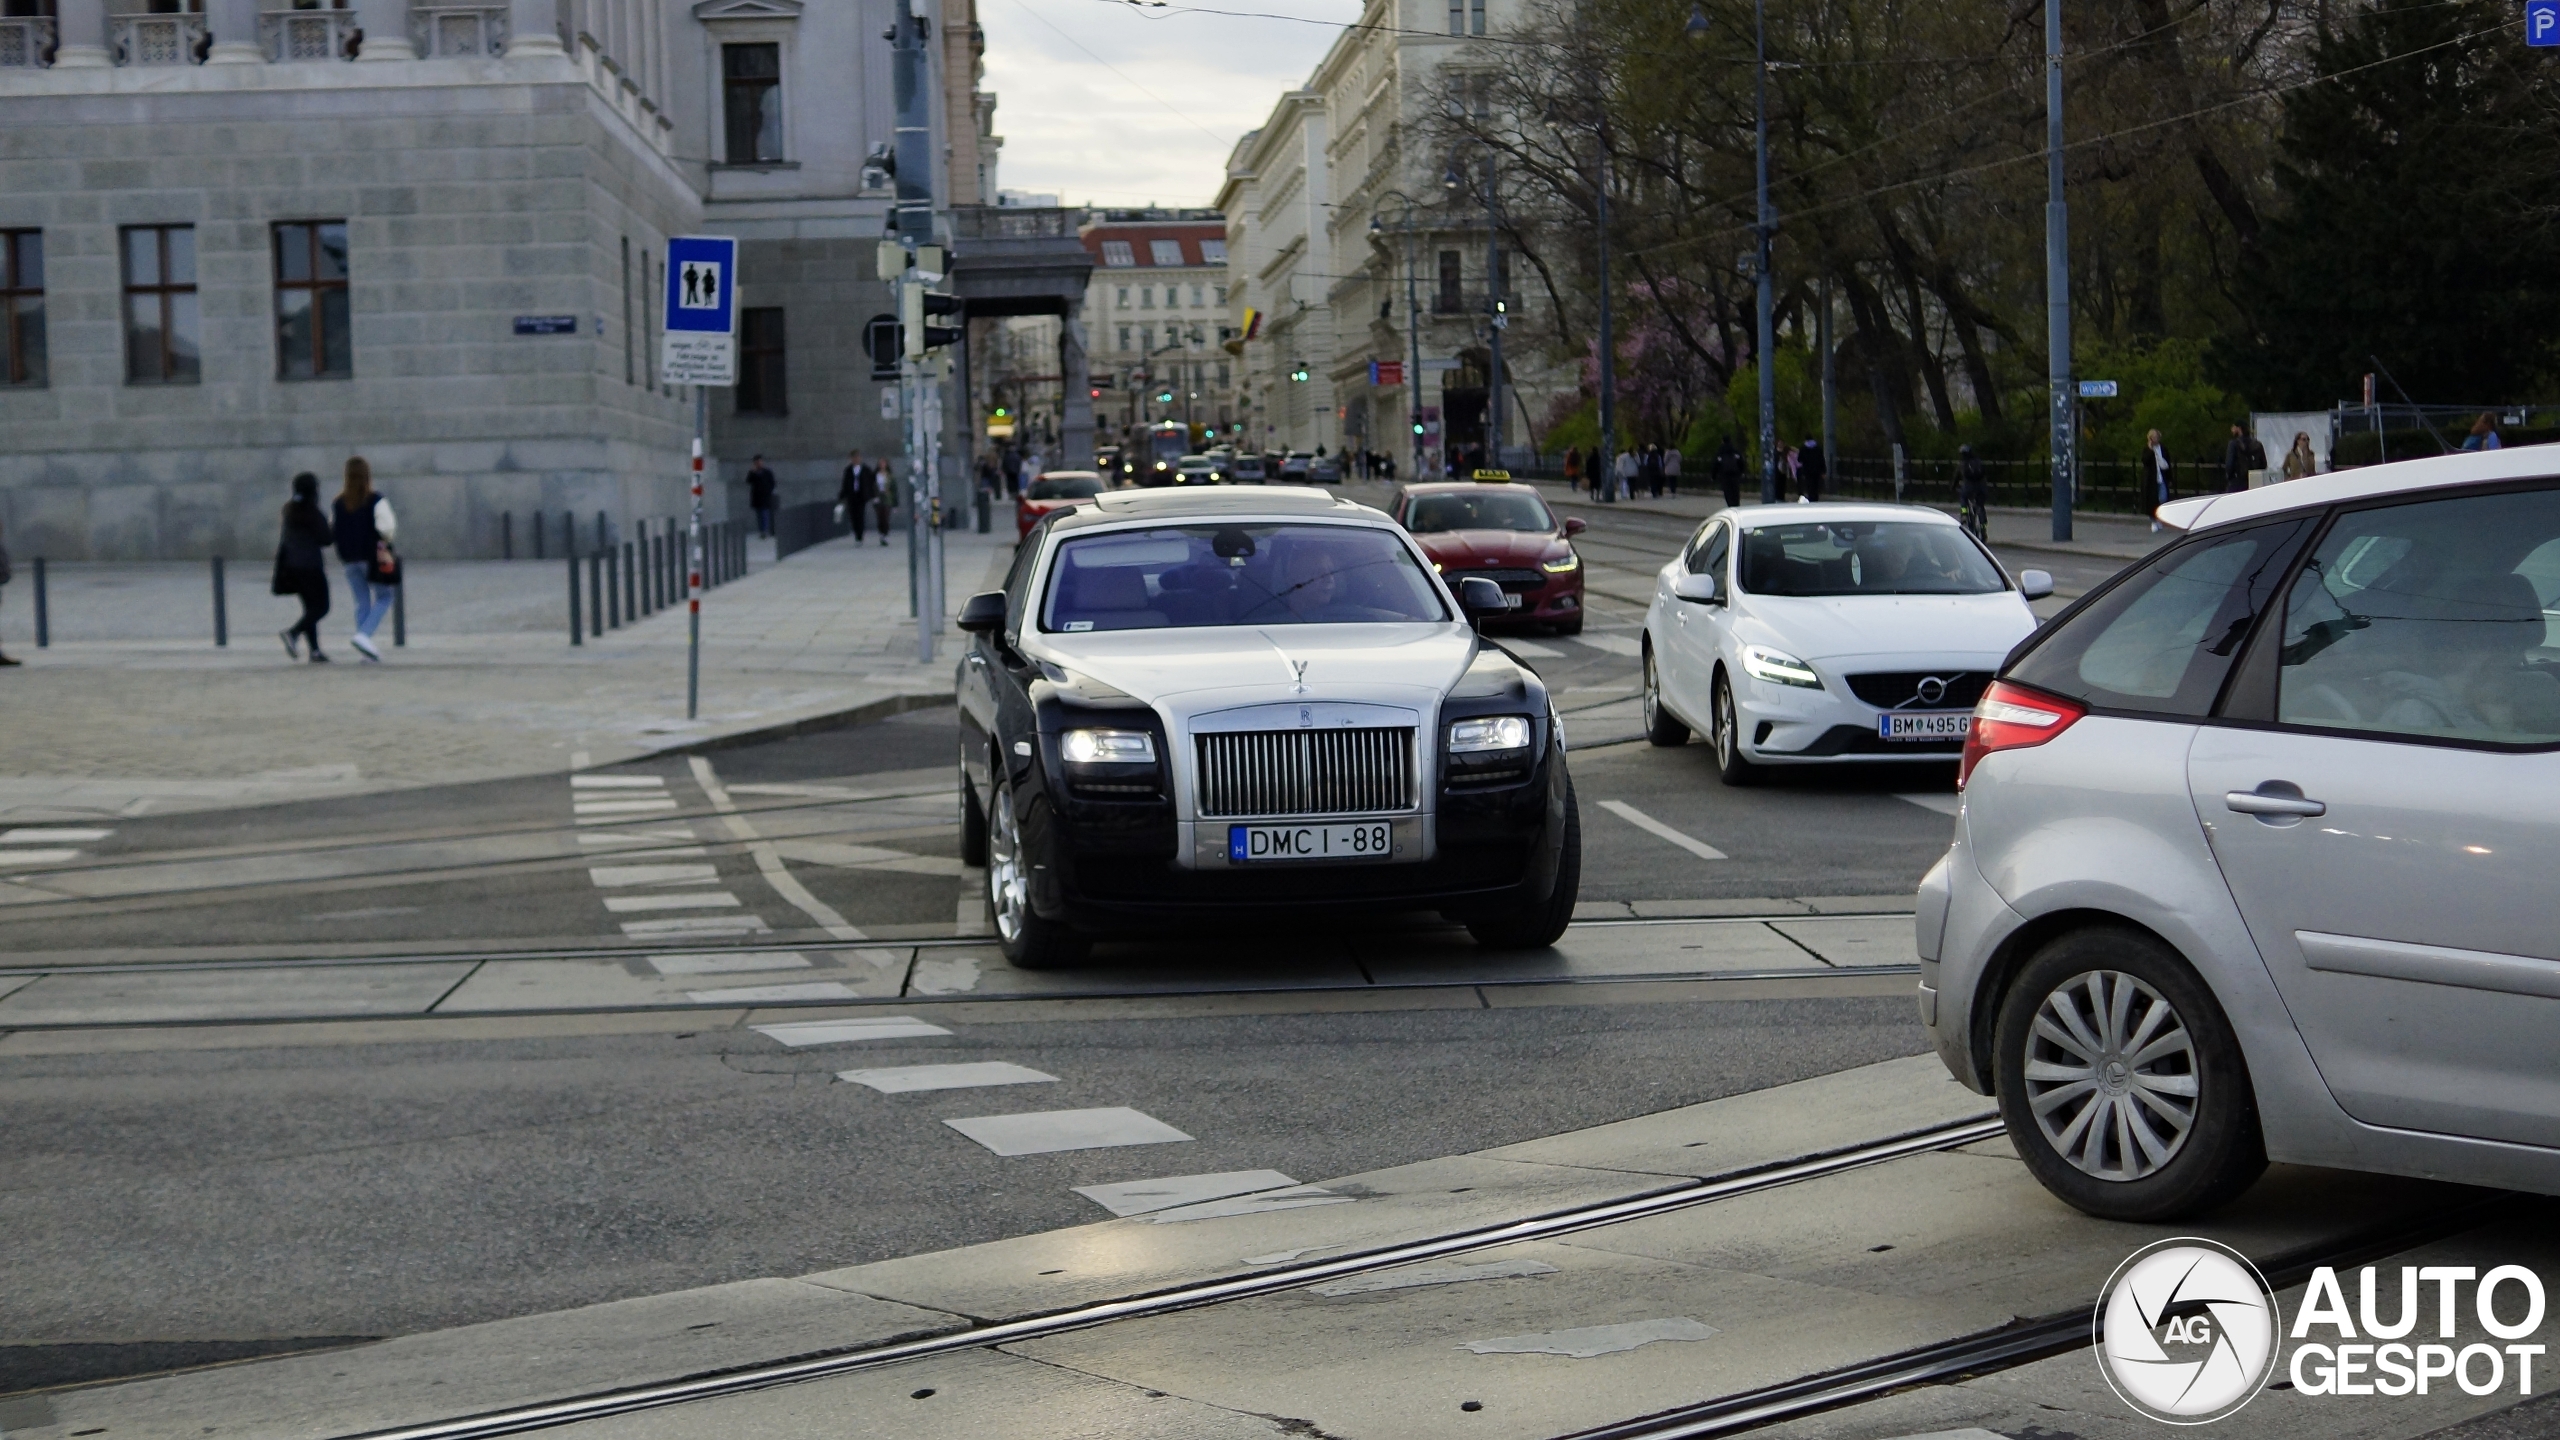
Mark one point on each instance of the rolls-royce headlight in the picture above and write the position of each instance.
(1492, 732)
(1779, 667)
(1109, 747)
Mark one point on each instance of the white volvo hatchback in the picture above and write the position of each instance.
(1828, 634)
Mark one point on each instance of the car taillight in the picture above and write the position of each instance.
(2012, 717)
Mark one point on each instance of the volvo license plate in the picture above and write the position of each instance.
(1934, 725)
(1368, 840)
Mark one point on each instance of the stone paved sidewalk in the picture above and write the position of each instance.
(133, 711)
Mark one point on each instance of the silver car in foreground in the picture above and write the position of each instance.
(2256, 852)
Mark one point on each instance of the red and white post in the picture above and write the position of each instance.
(693, 564)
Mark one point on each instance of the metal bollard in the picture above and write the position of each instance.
(577, 626)
(221, 611)
(44, 618)
(612, 590)
(507, 535)
(400, 609)
(604, 533)
(630, 583)
(595, 593)
(537, 535)
(986, 510)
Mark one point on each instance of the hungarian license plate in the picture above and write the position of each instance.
(1937, 725)
(1369, 840)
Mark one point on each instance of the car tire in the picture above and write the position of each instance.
(1539, 922)
(1029, 942)
(2125, 1144)
(973, 820)
(1569, 627)
(1732, 766)
(1661, 727)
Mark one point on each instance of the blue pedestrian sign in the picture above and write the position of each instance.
(2542, 22)
(701, 312)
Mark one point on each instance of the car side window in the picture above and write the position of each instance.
(2162, 640)
(1707, 552)
(1017, 586)
(2429, 620)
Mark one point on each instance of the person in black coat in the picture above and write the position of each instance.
(1728, 472)
(862, 497)
(1649, 471)
(1811, 470)
(760, 492)
(302, 565)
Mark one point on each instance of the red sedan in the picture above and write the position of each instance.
(1506, 534)
(1054, 490)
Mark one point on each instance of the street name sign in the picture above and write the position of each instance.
(700, 344)
(546, 324)
(2106, 389)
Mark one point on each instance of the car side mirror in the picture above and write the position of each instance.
(1480, 597)
(983, 613)
(2034, 584)
(1700, 589)
(1575, 525)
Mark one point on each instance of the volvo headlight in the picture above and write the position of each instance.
(1492, 732)
(1565, 565)
(1109, 747)
(1778, 667)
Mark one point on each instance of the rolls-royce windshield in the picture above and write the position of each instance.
(1184, 576)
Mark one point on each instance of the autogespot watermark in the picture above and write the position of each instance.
(2188, 1332)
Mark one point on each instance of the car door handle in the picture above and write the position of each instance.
(2269, 800)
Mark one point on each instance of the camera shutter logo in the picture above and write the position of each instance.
(2187, 1331)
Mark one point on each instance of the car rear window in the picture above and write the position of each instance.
(1078, 487)
(1182, 576)
(1478, 510)
(2162, 640)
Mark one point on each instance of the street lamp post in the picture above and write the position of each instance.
(1495, 313)
(1763, 233)
(1412, 331)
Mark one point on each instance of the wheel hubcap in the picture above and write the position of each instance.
(1005, 881)
(2111, 1076)
(1652, 705)
(1725, 741)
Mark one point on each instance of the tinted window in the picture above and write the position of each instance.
(2429, 620)
(1191, 575)
(1064, 487)
(1864, 557)
(1479, 510)
(1707, 552)
(2162, 640)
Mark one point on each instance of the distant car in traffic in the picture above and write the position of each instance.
(1293, 467)
(1055, 490)
(1215, 708)
(1502, 533)
(2254, 861)
(1325, 470)
(1195, 470)
(1828, 634)
(1249, 470)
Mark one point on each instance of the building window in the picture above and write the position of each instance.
(22, 306)
(1165, 252)
(1172, 337)
(1222, 295)
(1124, 337)
(161, 326)
(751, 89)
(1457, 17)
(1116, 253)
(312, 341)
(1124, 297)
(1213, 252)
(1475, 17)
(761, 374)
(1452, 294)
(1146, 297)
(1199, 295)
(1223, 375)
(628, 337)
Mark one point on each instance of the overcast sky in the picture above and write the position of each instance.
(1101, 101)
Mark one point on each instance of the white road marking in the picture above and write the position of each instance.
(37, 857)
(585, 809)
(681, 900)
(1297, 1199)
(727, 964)
(698, 925)
(802, 792)
(797, 1033)
(1651, 826)
(1943, 804)
(49, 835)
(1282, 1257)
(769, 860)
(768, 994)
(1623, 645)
(1043, 1132)
(1139, 1197)
(644, 837)
(901, 1079)
(617, 782)
(375, 912)
(1529, 648)
(613, 875)
(1584, 1341)
(1415, 1276)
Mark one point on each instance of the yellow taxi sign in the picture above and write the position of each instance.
(1490, 475)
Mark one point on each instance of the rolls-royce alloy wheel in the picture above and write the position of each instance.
(1661, 727)
(2120, 1081)
(1028, 941)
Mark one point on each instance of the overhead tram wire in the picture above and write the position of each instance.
(1116, 70)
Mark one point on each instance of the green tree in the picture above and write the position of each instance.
(2414, 223)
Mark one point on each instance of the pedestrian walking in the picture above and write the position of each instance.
(2156, 475)
(1649, 471)
(2301, 460)
(860, 496)
(1626, 474)
(2484, 433)
(1786, 469)
(1671, 469)
(1812, 468)
(1573, 468)
(2235, 460)
(363, 526)
(1973, 493)
(302, 566)
(1727, 469)
(760, 489)
(4, 581)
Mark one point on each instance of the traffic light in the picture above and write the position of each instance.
(1299, 374)
(921, 306)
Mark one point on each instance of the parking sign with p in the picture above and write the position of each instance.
(2542, 23)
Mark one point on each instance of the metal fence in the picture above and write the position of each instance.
(797, 527)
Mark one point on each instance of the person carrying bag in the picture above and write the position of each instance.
(363, 526)
(302, 566)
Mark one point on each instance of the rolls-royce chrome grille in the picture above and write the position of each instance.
(1306, 772)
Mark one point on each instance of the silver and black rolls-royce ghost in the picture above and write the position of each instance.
(1210, 707)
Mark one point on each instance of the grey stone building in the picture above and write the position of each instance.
(243, 238)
